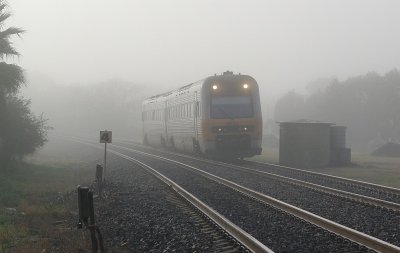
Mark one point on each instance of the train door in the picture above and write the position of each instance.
(196, 146)
(166, 118)
(196, 115)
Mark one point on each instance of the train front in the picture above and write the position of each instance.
(232, 123)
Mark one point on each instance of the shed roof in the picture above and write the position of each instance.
(305, 121)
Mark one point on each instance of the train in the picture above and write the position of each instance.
(218, 116)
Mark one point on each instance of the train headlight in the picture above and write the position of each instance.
(247, 128)
(215, 87)
(218, 129)
(245, 86)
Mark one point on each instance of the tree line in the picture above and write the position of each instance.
(21, 132)
(84, 110)
(369, 105)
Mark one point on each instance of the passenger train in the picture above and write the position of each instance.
(219, 116)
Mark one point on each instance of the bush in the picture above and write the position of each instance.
(22, 132)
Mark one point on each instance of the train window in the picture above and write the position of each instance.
(223, 107)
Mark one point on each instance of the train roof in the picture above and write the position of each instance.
(166, 94)
(226, 74)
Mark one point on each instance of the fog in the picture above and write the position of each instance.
(154, 46)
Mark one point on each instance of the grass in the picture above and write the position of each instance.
(374, 169)
(30, 208)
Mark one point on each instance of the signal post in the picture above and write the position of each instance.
(105, 137)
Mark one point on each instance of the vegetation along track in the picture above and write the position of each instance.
(359, 237)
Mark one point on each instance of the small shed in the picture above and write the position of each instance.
(305, 143)
(308, 143)
(340, 155)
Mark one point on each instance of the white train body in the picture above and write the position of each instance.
(217, 116)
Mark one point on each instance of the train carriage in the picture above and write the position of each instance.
(218, 116)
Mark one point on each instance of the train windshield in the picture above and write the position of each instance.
(224, 107)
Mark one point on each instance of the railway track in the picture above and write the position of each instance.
(227, 237)
(315, 185)
(358, 214)
(389, 194)
(386, 193)
(359, 240)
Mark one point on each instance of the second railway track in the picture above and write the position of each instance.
(395, 248)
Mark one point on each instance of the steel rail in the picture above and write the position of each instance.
(368, 185)
(244, 238)
(336, 228)
(320, 188)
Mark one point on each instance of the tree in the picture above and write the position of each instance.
(21, 132)
(368, 105)
(289, 107)
(11, 75)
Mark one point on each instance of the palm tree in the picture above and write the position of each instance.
(11, 75)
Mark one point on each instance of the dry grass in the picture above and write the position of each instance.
(32, 217)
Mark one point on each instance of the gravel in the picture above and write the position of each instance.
(279, 231)
(375, 221)
(137, 215)
(326, 181)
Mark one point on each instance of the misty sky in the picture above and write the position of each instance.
(283, 44)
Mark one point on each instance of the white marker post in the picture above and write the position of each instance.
(105, 137)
